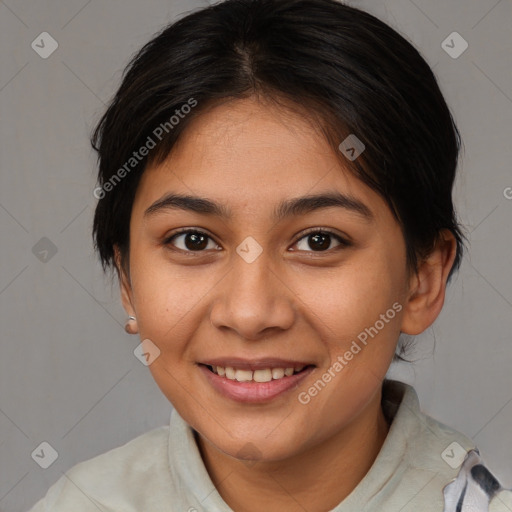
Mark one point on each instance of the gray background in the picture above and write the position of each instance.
(68, 375)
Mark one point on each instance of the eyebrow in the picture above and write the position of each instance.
(287, 208)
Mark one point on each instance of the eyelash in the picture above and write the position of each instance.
(342, 241)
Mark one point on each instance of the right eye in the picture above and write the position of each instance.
(190, 240)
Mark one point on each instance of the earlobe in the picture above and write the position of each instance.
(427, 287)
(126, 294)
(131, 325)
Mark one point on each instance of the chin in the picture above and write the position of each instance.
(257, 447)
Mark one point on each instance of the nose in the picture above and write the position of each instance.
(252, 300)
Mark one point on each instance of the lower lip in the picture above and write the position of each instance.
(253, 392)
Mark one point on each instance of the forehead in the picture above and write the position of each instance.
(250, 154)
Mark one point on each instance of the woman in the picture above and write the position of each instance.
(275, 194)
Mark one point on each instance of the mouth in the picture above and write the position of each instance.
(255, 382)
(259, 375)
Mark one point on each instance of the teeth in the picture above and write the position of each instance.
(278, 373)
(263, 375)
(243, 375)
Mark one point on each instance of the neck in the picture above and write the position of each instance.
(316, 480)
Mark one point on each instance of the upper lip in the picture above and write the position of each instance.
(254, 364)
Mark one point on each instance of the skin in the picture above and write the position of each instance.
(294, 301)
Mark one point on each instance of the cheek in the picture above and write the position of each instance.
(352, 298)
(357, 315)
(170, 301)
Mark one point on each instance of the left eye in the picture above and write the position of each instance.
(198, 241)
(322, 240)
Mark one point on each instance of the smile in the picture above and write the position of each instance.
(262, 375)
(254, 385)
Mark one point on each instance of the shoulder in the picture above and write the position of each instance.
(476, 489)
(441, 462)
(502, 502)
(428, 442)
(114, 479)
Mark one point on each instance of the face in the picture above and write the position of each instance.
(242, 280)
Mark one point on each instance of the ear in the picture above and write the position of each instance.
(427, 287)
(125, 284)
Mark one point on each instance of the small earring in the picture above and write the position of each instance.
(129, 327)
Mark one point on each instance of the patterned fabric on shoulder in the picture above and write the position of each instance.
(475, 489)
